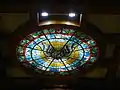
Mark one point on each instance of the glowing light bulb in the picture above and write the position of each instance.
(44, 14)
(71, 14)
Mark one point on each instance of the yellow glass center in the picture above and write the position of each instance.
(58, 45)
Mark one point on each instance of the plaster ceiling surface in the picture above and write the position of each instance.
(107, 23)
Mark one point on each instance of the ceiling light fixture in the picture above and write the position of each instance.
(44, 14)
(71, 14)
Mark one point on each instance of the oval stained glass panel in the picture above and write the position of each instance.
(53, 51)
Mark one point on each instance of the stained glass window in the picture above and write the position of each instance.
(57, 51)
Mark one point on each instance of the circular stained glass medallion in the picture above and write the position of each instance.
(60, 51)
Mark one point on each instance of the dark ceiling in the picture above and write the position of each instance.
(91, 6)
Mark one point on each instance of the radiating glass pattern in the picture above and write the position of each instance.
(57, 51)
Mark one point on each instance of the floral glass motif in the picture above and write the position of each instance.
(53, 51)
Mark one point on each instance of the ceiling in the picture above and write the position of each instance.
(107, 23)
(105, 15)
(89, 6)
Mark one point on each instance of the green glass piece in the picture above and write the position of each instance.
(82, 36)
(23, 42)
(20, 49)
(21, 59)
(94, 50)
(45, 31)
(64, 73)
(67, 31)
(74, 71)
(27, 41)
(92, 59)
(35, 34)
(82, 62)
(52, 30)
(91, 42)
(86, 39)
(78, 34)
(72, 31)
(33, 64)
